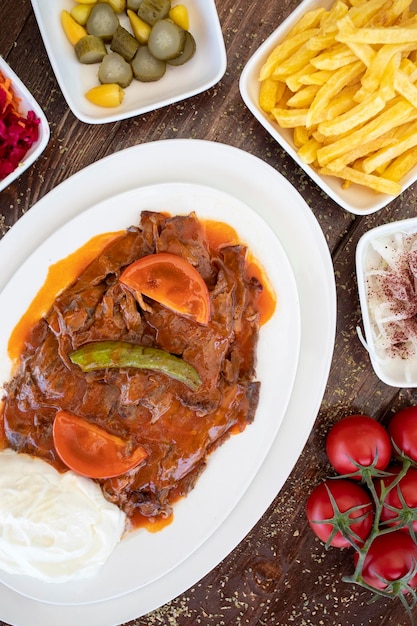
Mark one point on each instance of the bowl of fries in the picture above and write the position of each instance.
(336, 86)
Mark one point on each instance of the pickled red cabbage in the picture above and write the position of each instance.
(18, 132)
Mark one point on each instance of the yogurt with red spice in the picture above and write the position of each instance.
(387, 282)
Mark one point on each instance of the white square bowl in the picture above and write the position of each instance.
(356, 199)
(203, 71)
(397, 372)
(28, 103)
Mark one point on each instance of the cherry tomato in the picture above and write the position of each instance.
(347, 495)
(90, 450)
(389, 558)
(401, 497)
(403, 430)
(172, 281)
(358, 439)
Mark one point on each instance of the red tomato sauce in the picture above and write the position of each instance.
(220, 234)
(60, 275)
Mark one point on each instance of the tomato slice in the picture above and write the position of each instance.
(91, 451)
(172, 281)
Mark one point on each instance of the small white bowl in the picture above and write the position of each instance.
(28, 103)
(356, 198)
(397, 372)
(203, 71)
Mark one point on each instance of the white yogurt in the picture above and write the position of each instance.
(54, 527)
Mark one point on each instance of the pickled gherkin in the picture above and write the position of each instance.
(166, 40)
(124, 43)
(151, 11)
(146, 68)
(133, 5)
(114, 69)
(187, 53)
(102, 21)
(90, 49)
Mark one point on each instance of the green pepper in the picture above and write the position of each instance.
(116, 354)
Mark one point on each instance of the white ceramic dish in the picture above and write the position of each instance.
(235, 464)
(202, 72)
(356, 199)
(28, 103)
(224, 168)
(396, 372)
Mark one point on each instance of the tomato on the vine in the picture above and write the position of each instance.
(390, 562)
(350, 515)
(400, 502)
(358, 440)
(380, 520)
(403, 430)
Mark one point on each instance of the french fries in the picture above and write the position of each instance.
(345, 81)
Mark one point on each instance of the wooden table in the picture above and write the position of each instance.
(280, 573)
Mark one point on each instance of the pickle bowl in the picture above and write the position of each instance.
(27, 103)
(202, 71)
(356, 199)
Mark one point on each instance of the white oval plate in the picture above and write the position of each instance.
(356, 199)
(260, 187)
(203, 71)
(235, 464)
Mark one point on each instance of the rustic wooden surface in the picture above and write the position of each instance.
(279, 574)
